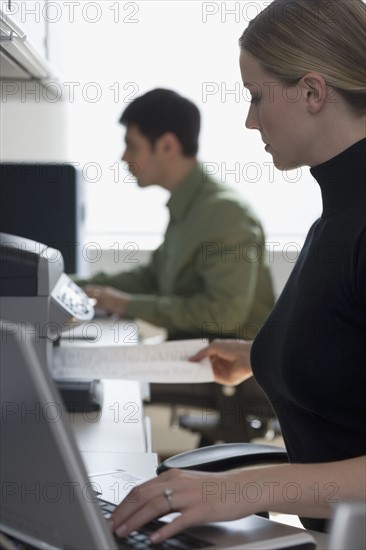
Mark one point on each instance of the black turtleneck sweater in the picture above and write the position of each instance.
(310, 356)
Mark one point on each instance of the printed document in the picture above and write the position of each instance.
(167, 362)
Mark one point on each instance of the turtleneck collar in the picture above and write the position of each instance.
(342, 179)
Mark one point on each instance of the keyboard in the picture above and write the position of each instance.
(141, 539)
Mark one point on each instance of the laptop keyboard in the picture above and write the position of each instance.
(141, 539)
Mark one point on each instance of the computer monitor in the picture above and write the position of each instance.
(45, 202)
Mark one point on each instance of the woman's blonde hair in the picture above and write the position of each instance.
(290, 38)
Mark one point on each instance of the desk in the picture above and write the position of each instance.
(120, 425)
(115, 437)
(103, 330)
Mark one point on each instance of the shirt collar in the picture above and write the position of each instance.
(342, 179)
(183, 196)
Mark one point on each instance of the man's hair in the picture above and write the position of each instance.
(160, 111)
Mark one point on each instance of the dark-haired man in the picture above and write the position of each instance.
(209, 278)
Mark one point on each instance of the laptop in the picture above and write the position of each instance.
(47, 499)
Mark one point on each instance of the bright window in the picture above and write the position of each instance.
(108, 52)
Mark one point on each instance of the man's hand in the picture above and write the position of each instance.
(108, 299)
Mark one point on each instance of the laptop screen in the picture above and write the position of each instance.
(46, 497)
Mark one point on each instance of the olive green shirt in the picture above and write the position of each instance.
(209, 278)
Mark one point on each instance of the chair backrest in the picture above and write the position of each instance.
(218, 458)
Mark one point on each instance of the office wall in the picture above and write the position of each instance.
(34, 115)
(33, 123)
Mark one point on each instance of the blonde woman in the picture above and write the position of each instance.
(304, 64)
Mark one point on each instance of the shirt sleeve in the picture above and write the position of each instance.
(140, 279)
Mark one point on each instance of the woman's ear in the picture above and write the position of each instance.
(315, 91)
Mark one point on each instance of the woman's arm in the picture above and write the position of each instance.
(309, 490)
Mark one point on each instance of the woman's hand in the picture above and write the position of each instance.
(230, 361)
(200, 497)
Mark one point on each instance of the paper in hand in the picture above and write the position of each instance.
(160, 363)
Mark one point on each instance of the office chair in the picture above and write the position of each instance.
(228, 414)
(218, 458)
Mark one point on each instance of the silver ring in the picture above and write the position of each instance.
(168, 495)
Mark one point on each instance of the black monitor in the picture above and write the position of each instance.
(44, 202)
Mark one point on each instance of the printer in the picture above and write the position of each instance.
(37, 298)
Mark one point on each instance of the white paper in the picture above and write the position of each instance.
(160, 363)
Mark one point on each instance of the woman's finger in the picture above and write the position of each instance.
(180, 523)
(140, 495)
(203, 354)
(154, 508)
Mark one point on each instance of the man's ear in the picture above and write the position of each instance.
(315, 91)
(169, 144)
